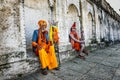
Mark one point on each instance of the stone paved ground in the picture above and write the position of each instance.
(99, 65)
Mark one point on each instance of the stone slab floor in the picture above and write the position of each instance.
(101, 64)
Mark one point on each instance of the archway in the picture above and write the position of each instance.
(90, 26)
(72, 16)
(99, 36)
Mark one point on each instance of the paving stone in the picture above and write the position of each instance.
(67, 64)
(88, 77)
(78, 61)
(116, 78)
(117, 74)
(37, 76)
(96, 59)
(111, 61)
(99, 65)
(83, 68)
(30, 77)
(102, 72)
(49, 77)
(92, 54)
(69, 75)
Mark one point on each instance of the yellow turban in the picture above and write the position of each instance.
(42, 23)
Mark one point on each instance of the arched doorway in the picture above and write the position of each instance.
(90, 26)
(99, 29)
(72, 16)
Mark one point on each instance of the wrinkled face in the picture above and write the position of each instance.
(42, 27)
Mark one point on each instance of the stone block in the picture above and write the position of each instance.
(67, 55)
(18, 69)
(65, 47)
(12, 57)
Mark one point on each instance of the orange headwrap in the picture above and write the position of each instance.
(42, 22)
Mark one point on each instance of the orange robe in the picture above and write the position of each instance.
(47, 53)
(55, 36)
(75, 45)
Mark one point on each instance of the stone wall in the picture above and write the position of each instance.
(13, 62)
(65, 12)
(19, 18)
(34, 11)
(99, 21)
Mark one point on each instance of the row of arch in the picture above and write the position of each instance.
(72, 15)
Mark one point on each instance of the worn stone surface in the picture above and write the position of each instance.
(18, 20)
(12, 57)
(18, 69)
(90, 18)
(77, 69)
(10, 24)
(103, 72)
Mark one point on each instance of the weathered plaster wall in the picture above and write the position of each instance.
(101, 23)
(9, 13)
(65, 12)
(13, 61)
(98, 22)
(35, 11)
(68, 14)
(10, 32)
(18, 21)
(88, 20)
(110, 29)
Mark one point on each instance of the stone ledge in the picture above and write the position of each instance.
(12, 57)
(65, 47)
(18, 69)
(67, 55)
(64, 55)
(8, 50)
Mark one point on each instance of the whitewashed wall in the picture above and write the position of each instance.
(18, 22)
(35, 11)
(88, 16)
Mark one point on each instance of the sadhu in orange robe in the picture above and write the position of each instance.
(47, 53)
(75, 45)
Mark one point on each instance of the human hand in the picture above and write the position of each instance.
(39, 47)
(82, 41)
